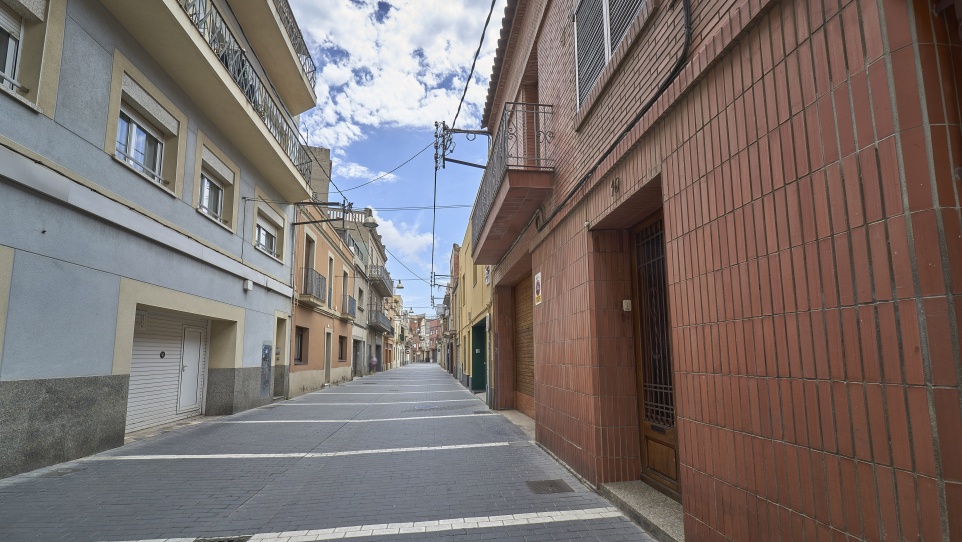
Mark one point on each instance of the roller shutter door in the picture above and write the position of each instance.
(163, 388)
(524, 338)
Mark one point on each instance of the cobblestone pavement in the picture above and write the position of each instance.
(407, 454)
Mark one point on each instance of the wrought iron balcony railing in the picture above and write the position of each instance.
(350, 306)
(379, 320)
(381, 279)
(314, 285)
(211, 25)
(523, 142)
(297, 38)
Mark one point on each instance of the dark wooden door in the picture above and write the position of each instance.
(656, 391)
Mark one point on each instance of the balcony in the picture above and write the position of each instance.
(272, 30)
(378, 321)
(195, 45)
(348, 308)
(519, 176)
(313, 288)
(380, 280)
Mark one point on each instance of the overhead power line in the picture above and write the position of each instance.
(398, 260)
(473, 63)
(383, 175)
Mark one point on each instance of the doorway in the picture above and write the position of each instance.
(655, 376)
(191, 360)
(479, 357)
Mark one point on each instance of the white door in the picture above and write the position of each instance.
(168, 369)
(193, 354)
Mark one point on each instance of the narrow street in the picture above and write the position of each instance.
(408, 454)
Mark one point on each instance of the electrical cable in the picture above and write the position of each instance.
(398, 260)
(648, 105)
(378, 178)
(477, 53)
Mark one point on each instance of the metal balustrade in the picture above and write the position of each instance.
(297, 38)
(350, 306)
(215, 30)
(523, 142)
(314, 285)
(381, 278)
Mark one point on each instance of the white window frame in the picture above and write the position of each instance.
(207, 180)
(9, 80)
(269, 229)
(135, 119)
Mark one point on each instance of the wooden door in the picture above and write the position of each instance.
(655, 376)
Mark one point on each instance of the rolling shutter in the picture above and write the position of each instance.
(155, 380)
(621, 13)
(524, 338)
(10, 22)
(590, 35)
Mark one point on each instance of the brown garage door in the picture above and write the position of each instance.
(524, 346)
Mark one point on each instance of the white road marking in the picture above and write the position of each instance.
(409, 418)
(292, 403)
(303, 455)
(433, 526)
(392, 392)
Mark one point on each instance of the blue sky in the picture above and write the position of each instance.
(386, 72)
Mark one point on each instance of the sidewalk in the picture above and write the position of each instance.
(407, 454)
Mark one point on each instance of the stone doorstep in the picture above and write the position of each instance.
(654, 511)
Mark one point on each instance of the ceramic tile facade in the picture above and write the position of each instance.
(805, 161)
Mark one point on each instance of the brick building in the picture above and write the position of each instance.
(739, 246)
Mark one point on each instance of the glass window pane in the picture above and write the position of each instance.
(152, 154)
(123, 132)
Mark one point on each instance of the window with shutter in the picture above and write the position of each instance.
(600, 25)
(11, 28)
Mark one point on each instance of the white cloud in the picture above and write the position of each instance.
(408, 243)
(351, 170)
(401, 63)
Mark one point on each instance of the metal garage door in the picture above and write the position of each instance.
(524, 338)
(167, 370)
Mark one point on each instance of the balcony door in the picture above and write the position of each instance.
(655, 371)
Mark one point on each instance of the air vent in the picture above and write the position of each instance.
(543, 487)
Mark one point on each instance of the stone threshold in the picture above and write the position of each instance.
(654, 511)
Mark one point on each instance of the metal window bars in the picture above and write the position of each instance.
(523, 142)
(350, 306)
(297, 38)
(215, 30)
(658, 385)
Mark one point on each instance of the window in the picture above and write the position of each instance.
(211, 196)
(214, 195)
(11, 30)
(265, 236)
(300, 345)
(140, 144)
(341, 348)
(360, 299)
(148, 133)
(269, 233)
(600, 25)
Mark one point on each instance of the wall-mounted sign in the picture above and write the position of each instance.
(537, 289)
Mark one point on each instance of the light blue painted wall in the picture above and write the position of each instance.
(61, 320)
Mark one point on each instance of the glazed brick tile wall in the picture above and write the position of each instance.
(806, 158)
(813, 224)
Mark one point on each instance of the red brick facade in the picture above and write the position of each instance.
(805, 162)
